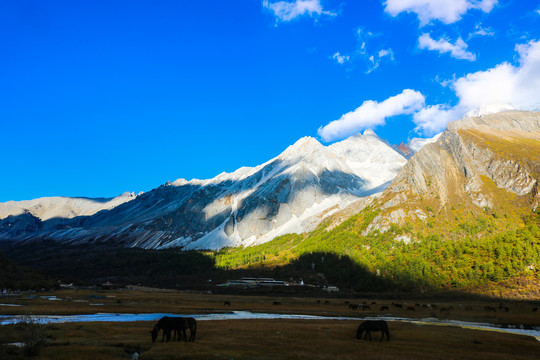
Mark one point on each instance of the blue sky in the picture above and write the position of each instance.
(102, 97)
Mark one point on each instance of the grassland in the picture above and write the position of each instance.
(268, 339)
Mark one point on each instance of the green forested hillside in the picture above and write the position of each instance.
(471, 250)
(463, 212)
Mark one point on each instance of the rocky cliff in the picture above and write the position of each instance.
(473, 165)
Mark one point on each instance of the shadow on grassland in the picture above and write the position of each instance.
(99, 263)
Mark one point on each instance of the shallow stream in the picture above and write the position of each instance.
(246, 315)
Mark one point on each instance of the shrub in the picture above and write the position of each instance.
(31, 334)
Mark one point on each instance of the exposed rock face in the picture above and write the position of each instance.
(291, 193)
(503, 148)
(404, 150)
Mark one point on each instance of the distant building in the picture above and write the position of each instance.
(253, 282)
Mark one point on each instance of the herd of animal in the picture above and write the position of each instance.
(178, 326)
(433, 307)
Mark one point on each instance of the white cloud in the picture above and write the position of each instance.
(505, 84)
(375, 60)
(287, 11)
(481, 31)
(503, 87)
(341, 59)
(446, 11)
(371, 114)
(457, 50)
(365, 51)
(386, 52)
(434, 118)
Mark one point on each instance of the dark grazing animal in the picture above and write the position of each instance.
(384, 307)
(192, 326)
(276, 303)
(178, 325)
(227, 303)
(535, 309)
(373, 325)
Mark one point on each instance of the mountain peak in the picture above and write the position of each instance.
(304, 146)
(370, 132)
(306, 142)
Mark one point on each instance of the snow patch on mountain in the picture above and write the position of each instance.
(417, 143)
(369, 157)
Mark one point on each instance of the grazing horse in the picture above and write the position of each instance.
(176, 324)
(192, 326)
(276, 303)
(226, 303)
(373, 325)
(384, 307)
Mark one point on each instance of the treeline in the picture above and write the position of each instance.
(16, 277)
(101, 262)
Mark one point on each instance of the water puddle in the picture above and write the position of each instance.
(247, 315)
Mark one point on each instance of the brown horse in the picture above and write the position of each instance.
(191, 324)
(176, 324)
(373, 325)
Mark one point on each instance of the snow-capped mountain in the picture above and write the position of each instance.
(62, 207)
(290, 193)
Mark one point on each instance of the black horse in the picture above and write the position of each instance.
(176, 324)
(373, 325)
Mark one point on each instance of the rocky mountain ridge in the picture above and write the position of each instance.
(293, 192)
(473, 158)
